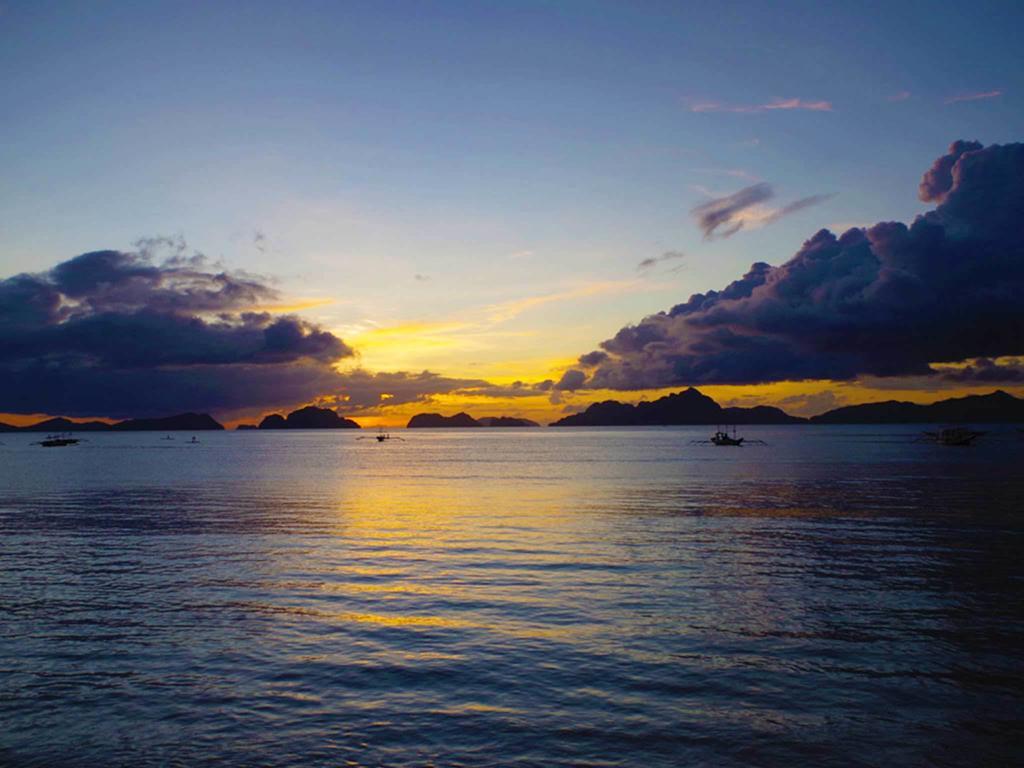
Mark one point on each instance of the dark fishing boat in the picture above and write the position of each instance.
(723, 438)
(58, 441)
(957, 436)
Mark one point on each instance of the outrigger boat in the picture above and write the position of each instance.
(723, 438)
(952, 436)
(58, 441)
(381, 436)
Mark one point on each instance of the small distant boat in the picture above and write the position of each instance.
(167, 438)
(58, 441)
(959, 436)
(381, 436)
(723, 438)
(193, 441)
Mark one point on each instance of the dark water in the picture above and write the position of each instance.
(512, 598)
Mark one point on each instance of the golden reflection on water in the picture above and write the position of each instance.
(530, 592)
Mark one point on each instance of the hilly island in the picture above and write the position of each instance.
(689, 407)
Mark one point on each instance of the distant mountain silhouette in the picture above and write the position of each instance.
(996, 407)
(60, 424)
(246, 426)
(430, 420)
(8, 427)
(309, 417)
(191, 422)
(506, 421)
(689, 407)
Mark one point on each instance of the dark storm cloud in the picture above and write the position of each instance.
(571, 381)
(362, 389)
(120, 334)
(887, 300)
(591, 359)
(938, 179)
(984, 370)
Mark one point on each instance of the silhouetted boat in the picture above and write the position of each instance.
(959, 436)
(381, 436)
(58, 441)
(723, 438)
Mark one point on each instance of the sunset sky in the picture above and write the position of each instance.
(400, 207)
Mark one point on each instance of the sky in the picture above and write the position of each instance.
(467, 197)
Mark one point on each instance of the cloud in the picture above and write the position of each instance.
(886, 300)
(901, 96)
(938, 180)
(774, 105)
(509, 310)
(723, 217)
(984, 370)
(571, 381)
(979, 96)
(359, 390)
(421, 278)
(590, 359)
(810, 404)
(121, 334)
(722, 212)
(796, 206)
(515, 389)
(736, 173)
(656, 260)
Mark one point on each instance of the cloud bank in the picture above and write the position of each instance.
(123, 334)
(119, 334)
(887, 300)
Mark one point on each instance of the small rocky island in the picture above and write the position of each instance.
(436, 420)
(309, 417)
(688, 407)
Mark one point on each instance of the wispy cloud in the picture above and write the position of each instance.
(979, 96)
(774, 105)
(736, 173)
(500, 313)
(901, 96)
(723, 217)
(654, 261)
(795, 206)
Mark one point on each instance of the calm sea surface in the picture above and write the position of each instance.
(542, 597)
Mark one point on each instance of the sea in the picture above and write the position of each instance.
(839, 596)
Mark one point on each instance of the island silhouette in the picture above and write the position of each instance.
(689, 407)
(190, 422)
(436, 420)
(694, 407)
(309, 417)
